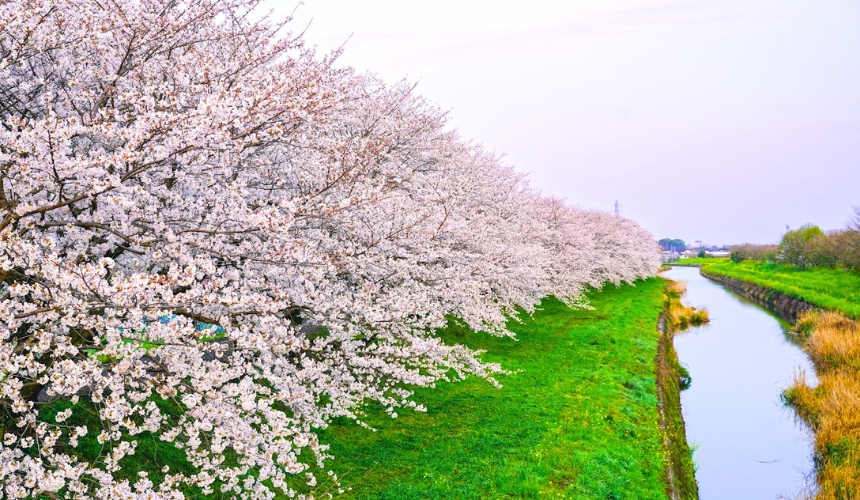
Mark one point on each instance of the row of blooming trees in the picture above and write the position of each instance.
(181, 187)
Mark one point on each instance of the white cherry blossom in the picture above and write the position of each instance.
(196, 210)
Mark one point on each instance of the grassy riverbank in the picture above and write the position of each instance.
(579, 419)
(831, 289)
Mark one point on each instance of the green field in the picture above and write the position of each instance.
(832, 289)
(699, 261)
(579, 419)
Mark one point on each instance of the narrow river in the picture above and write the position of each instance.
(749, 446)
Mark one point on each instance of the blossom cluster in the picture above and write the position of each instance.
(213, 237)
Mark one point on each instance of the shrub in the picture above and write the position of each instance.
(822, 251)
(749, 251)
(834, 249)
(846, 248)
(793, 248)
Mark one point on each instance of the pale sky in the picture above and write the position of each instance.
(720, 120)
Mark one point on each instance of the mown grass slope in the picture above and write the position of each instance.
(832, 289)
(579, 419)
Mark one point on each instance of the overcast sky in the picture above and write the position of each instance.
(721, 121)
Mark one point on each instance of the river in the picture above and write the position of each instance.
(749, 446)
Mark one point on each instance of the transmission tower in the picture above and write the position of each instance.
(617, 209)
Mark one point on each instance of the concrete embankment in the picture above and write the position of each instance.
(786, 307)
(680, 477)
(680, 471)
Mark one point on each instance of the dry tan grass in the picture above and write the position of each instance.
(807, 321)
(835, 343)
(840, 483)
(676, 288)
(807, 493)
(832, 408)
(802, 397)
(678, 315)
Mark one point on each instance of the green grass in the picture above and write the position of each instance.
(832, 289)
(578, 420)
(150, 455)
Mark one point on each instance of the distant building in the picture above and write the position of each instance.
(719, 253)
(669, 256)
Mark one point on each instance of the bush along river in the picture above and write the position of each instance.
(748, 444)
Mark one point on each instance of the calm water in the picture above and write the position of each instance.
(749, 445)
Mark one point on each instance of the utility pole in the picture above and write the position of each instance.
(617, 209)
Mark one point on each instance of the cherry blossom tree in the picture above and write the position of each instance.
(212, 237)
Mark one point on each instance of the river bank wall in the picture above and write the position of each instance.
(680, 470)
(786, 307)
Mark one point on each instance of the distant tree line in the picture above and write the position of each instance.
(675, 245)
(809, 246)
(671, 245)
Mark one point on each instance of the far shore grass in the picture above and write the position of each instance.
(579, 418)
(832, 289)
(698, 261)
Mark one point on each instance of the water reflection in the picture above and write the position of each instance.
(749, 446)
(790, 336)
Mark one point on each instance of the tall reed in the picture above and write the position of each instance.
(679, 315)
